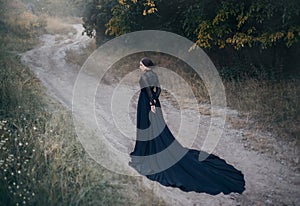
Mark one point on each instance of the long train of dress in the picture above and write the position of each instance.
(160, 157)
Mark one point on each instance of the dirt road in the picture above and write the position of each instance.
(270, 170)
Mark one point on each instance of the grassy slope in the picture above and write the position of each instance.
(41, 160)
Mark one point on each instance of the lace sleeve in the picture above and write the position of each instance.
(157, 86)
(147, 86)
(150, 81)
(157, 92)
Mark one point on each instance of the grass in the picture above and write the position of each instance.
(56, 26)
(78, 58)
(41, 160)
(15, 43)
(273, 104)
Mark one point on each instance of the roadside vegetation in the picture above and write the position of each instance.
(41, 160)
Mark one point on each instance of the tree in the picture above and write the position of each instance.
(250, 23)
(238, 23)
(260, 31)
(96, 15)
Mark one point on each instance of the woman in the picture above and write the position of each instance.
(160, 157)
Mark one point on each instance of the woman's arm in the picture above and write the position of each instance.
(147, 86)
(157, 93)
(157, 87)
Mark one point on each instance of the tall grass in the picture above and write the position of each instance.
(273, 104)
(14, 43)
(77, 57)
(41, 160)
(56, 26)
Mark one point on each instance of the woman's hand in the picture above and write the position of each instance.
(153, 108)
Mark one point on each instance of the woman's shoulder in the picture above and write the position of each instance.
(147, 72)
(150, 72)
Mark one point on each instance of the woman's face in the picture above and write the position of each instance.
(142, 66)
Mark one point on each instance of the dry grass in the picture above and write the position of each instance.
(12, 43)
(72, 20)
(55, 25)
(273, 105)
(41, 160)
(79, 57)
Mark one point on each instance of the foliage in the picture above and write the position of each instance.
(18, 20)
(130, 16)
(251, 23)
(259, 33)
(209, 23)
(95, 16)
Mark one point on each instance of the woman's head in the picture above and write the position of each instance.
(145, 63)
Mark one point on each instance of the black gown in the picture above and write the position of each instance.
(160, 157)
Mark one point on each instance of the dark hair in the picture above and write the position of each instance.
(147, 62)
